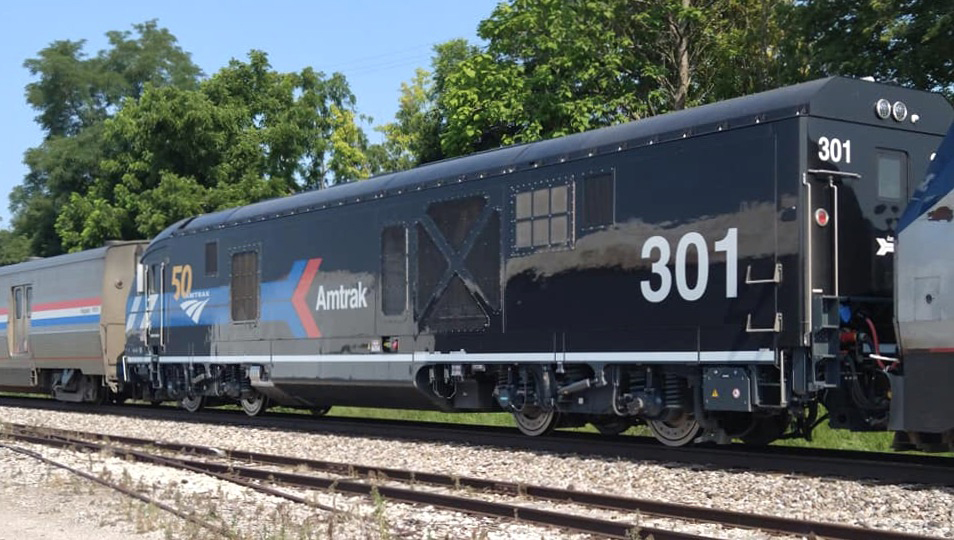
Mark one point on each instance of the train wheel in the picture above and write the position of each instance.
(192, 403)
(677, 432)
(534, 421)
(254, 406)
(320, 411)
(611, 425)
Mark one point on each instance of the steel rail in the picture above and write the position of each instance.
(611, 502)
(893, 468)
(231, 473)
(190, 517)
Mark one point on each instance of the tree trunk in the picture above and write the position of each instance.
(682, 48)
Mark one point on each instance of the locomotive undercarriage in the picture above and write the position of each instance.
(668, 399)
(195, 385)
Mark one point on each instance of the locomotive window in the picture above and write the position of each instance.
(598, 200)
(892, 174)
(542, 217)
(558, 230)
(524, 206)
(541, 202)
(211, 258)
(153, 280)
(524, 234)
(541, 232)
(558, 200)
(245, 284)
(394, 270)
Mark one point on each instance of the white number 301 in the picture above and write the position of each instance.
(834, 150)
(693, 240)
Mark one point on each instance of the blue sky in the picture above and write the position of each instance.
(376, 44)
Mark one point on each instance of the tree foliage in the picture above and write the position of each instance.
(246, 134)
(415, 135)
(73, 96)
(74, 92)
(552, 67)
(136, 138)
(906, 41)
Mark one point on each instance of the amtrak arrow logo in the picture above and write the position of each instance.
(193, 308)
(298, 299)
(885, 246)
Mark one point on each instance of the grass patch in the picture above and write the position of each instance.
(482, 419)
(841, 439)
(822, 437)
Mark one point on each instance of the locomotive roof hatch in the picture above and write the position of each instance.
(838, 98)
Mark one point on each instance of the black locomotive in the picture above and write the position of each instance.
(716, 273)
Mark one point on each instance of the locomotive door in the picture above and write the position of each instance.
(823, 272)
(822, 268)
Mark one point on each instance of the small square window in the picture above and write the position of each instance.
(541, 202)
(524, 238)
(524, 210)
(558, 200)
(558, 230)
(892, 167)
(541, 232)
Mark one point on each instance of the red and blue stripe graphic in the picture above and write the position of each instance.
(283, 300)
(68, 312)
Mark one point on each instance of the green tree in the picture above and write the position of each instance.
(13, 248)
(553, 67)
(246, 134)
(73, 96)
(414, 137)
(747, 49)
(908, 41)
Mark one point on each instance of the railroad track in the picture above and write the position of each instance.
(205, 524)
(893, 468)
(245, 468)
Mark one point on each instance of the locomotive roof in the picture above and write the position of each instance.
(833, 97)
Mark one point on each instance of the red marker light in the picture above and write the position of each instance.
(821, 217)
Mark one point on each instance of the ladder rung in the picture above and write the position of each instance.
(776, 276)
(776, 328)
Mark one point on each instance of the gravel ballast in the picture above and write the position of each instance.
(912, 509)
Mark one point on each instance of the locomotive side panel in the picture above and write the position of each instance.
(659, 263)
